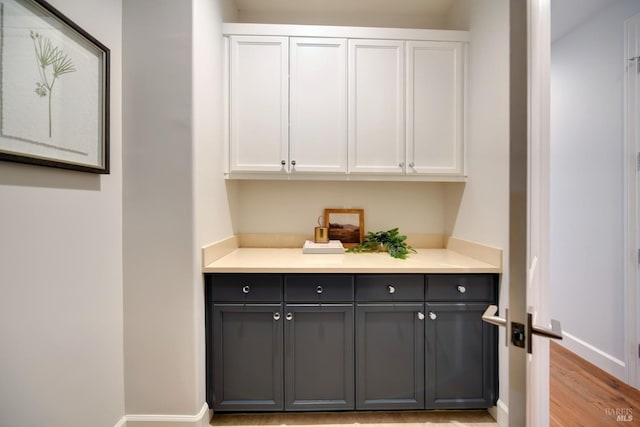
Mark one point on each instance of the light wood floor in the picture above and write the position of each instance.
(581, 395)
(361, 419)
(584, 395)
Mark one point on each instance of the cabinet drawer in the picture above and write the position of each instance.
(246, 287)
(455, 287)
(390, 287)
(318, 287)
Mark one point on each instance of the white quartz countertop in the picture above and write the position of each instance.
(287, 260)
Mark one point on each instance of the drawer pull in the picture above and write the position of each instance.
(462, 289)
(246, 289)
(289, 316)
(391, 289)
(432, 315)
(420, 316)
(276, 316)
(319, 289)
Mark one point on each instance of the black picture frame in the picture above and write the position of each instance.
(54, 90)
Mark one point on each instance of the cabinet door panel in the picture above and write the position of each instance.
(318, 94)
(319, 357)
(390, 356)
(259, 103)
(248, 359)
(460, 357)
(376, 106)
(435, 131)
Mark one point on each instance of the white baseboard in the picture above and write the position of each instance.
(201, 419)
(602, 360)
(500, 413)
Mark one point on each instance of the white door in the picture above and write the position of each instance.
(527, 318)
(435, 97)
(376, 106)
(318, 107)
(259, 104)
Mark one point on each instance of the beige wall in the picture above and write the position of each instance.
(61, 360)
(479, 211)
(293, 207)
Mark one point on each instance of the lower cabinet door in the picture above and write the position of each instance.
(319, 357)
(390, 356)
(461, 355)
(247, 357)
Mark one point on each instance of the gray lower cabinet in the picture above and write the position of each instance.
(460, 357)
(247, 357)
(319, 357)
(390, 356)
(461, 350)
(305, 342)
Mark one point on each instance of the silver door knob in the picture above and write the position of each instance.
(462, 289)
(289, 316)
(432, 315)
(420, 316)
(246, 289)
(391, 289)
(319, 289)
(276, 316)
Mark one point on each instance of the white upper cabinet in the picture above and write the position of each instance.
(318, 105)
(376, 107)
(258, 103)
(435, 110)
(345, 103)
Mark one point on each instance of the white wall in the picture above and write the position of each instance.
(479, 210)
(212, 213)
(174, 196)
(61, 360)
(159, 304)
(587, 187)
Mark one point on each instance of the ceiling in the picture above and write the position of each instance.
(370, 7)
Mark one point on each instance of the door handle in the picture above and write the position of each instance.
(489, 316)
(518, 332)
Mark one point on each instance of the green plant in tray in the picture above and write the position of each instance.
(391, 241)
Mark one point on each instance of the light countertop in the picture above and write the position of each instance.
(287, 260)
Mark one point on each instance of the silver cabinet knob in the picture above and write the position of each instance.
(391, 289)
(401, 165)
(289, 316)
(293, 162)
(319, 289)
(411, 165)
(420, 316)
(462, 289)
(276, 316)
(283, 163)
(246, 289)
(432, 315)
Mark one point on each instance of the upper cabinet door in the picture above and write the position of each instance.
(376, 106)
(259, 103)
(318, 103)
(435, 110)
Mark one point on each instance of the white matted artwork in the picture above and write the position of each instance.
(54, 82)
